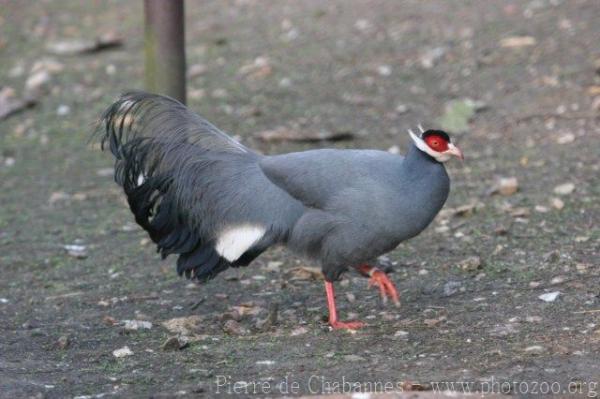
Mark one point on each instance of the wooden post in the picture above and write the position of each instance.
(165, 48)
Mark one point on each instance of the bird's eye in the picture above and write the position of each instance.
(436, 143)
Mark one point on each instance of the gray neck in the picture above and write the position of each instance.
(418, 162)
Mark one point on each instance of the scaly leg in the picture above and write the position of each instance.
(333, 319)
(379, 278)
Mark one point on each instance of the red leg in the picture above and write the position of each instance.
(333, 319)
(379, 278)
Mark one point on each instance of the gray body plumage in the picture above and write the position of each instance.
(188, 184)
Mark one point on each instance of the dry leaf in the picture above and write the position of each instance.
(306, 273)
(183, 325)
(518, 41)
(505, 186)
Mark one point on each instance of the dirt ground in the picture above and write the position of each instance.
(470, 284)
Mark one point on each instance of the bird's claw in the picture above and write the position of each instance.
(346, 325)
(386, 286)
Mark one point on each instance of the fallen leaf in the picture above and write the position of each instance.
(175, 343)
(518, 41)
(505, 186)
(232, 327)
(10, 104)
(433, 322)
(283, 133)
(258, 69)
(80, 46)
(458, 114)
(306, 273)
(520, 212)
(184, 325)
(471, 263)
(593, 90)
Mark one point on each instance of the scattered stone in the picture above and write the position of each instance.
(175, 343)
(533, 319)
(354, 358)
(503, 330)
(63, 342)
(451, 288)
(431, 57)
(298, 331)
(122, 352)
(134, 325)
(402, 109)
(520, 212)
(557, 203)
(534, 284)
(76, 251)
(105, 172)
(401, 333)
(63, 110)
(471, 263)
(564, 189)
(565, 138)
(505, 186)
(196, 70)
(558, 280)
(518, 41)
(264, 362)
(394, 150)
(58, 196)
(4, 300)
(541, 209)
(535, 350)
(549, 296)
(283, 133)
(384, 70)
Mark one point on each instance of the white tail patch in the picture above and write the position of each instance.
(234, 241)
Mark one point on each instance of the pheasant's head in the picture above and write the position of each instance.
(436, 144)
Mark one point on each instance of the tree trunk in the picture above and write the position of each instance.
(164, 47)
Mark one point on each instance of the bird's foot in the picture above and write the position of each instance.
(346, 325)
(386, 286)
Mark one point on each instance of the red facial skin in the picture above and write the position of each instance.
(436, 143)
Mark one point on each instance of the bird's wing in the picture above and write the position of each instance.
(317, 177)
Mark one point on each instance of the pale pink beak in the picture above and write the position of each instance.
(454, 150)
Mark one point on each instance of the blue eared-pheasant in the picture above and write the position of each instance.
(216, 203)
